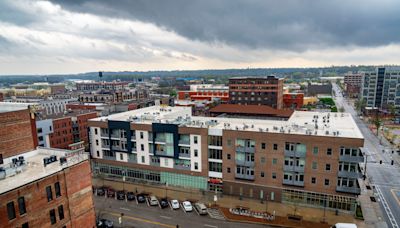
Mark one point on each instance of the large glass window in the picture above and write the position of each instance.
(214, 153)
(215, 140)
(215, 167)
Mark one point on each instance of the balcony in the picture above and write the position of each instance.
(184, 155)
(289, 153)
(162, 153)
(119, 148)
(132, 158)
(160, 140)
(353, 190)
(293, 168)
(293, 182)
(156, 164)
(105, 147)
(104, 135)
(243, 149)
(111, 158)
(182, 166)
(184, 141)
(244, 176)
(349, 158)
(349, 174)
(245, 163)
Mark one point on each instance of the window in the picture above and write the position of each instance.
(229, 142)
(57, 189)
(313, 180)
(97, 142)
(262, 174)
(263, 146)
(215, 140)
(49, 194)
(314, 165)
(11, 210)
(329, 151)
(53, 219)
(274, 161)
(328, 167)
(121, 156)
(315, 150)
(228, 156)
(228, 170)
(275, 146)
(326, 182)
(214, 154)
(95, 131)
(195, 139)
(143, 159)
(40, 138)
(141, 135)
(25, 225)
(262, 159)
(98, 153)
(215, 167)
(142, 147)
(273, 175)
(196, 166)
(196, 152)
(61, 212)
(39, 130)
(21, 205)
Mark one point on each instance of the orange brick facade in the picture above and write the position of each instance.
(293, 100)
(76, 200)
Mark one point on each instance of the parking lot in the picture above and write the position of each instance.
(142, 214)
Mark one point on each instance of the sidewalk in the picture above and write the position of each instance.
(307, 213)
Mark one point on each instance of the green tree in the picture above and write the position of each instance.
(392, 109)
(360, 105)
(341, 109)
(377, 121)
(172, 93)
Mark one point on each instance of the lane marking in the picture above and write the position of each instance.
(125, 209)
(207, 225)
(389, 213)
(140, 219)
(166, 217)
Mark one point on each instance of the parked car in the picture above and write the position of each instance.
(175, 204)
(110, 193)
(164, 203)
(105, 223)
(140, 198)
(121, 195)
(130, 196)
(201, 208)
(153, 201)
(187, 206)
(101, 192)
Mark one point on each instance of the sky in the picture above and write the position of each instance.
(73, 36)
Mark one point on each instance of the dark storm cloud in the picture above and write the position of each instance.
(285, 25)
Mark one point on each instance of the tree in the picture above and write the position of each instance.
(360, 105)
(377, 121)
(392, 110)
(172, 93)
(341, 109)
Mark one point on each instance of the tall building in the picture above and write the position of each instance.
(381, 87)
(207, 92)
(40, 187)
(93, 86)
(310, 158)
(256, 91)
(353, 82)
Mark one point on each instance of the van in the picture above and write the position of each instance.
(153, 201)
(201, 208)
(344, 225)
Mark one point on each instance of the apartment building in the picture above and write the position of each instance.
(63, 130)
(311, 158)
(203, 92)
(381, 88)
(353, 82)
(93, 86)
(256, 91)
(40, 187)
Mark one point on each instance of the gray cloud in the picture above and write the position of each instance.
(297, 25)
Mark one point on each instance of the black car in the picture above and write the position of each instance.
(164, 203)
(130, 196)
(101, 192)
(105, 223)
(141, 198)
(121, 195)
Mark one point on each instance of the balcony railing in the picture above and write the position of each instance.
(182, 166)
(349, 174)
(353, 190)
(293, 168)
(184, 141)
(349, 158)
(184, 155)
(105, 147)
(293, 182)
(132, 158)
(112, 158)
(245, 163)
(160, 140)
(289, 153)
(244, 176)
(243, 149)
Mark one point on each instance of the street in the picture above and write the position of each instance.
(385, 177)
(144, 216)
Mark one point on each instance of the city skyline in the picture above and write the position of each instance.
(51, 37)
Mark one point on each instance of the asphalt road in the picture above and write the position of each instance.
(144, 216)
(385, 177)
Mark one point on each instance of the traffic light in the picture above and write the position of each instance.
(380, 161)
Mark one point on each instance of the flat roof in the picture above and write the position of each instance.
(300, 122)
(34, 169)
(14, 106)
(262, 110)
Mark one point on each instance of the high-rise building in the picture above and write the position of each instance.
(256, 91)
(40, 187)
(311, 157)
(381, 88)
(352, 83)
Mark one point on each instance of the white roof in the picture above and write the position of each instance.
(13, 106)
(301, 122)
(34, 168)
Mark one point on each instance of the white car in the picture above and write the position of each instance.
(175, 204)
(187, 206)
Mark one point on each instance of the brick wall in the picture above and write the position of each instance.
(62, 133)
(16, 134)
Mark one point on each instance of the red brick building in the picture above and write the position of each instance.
(205, 92)
(293, 100)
